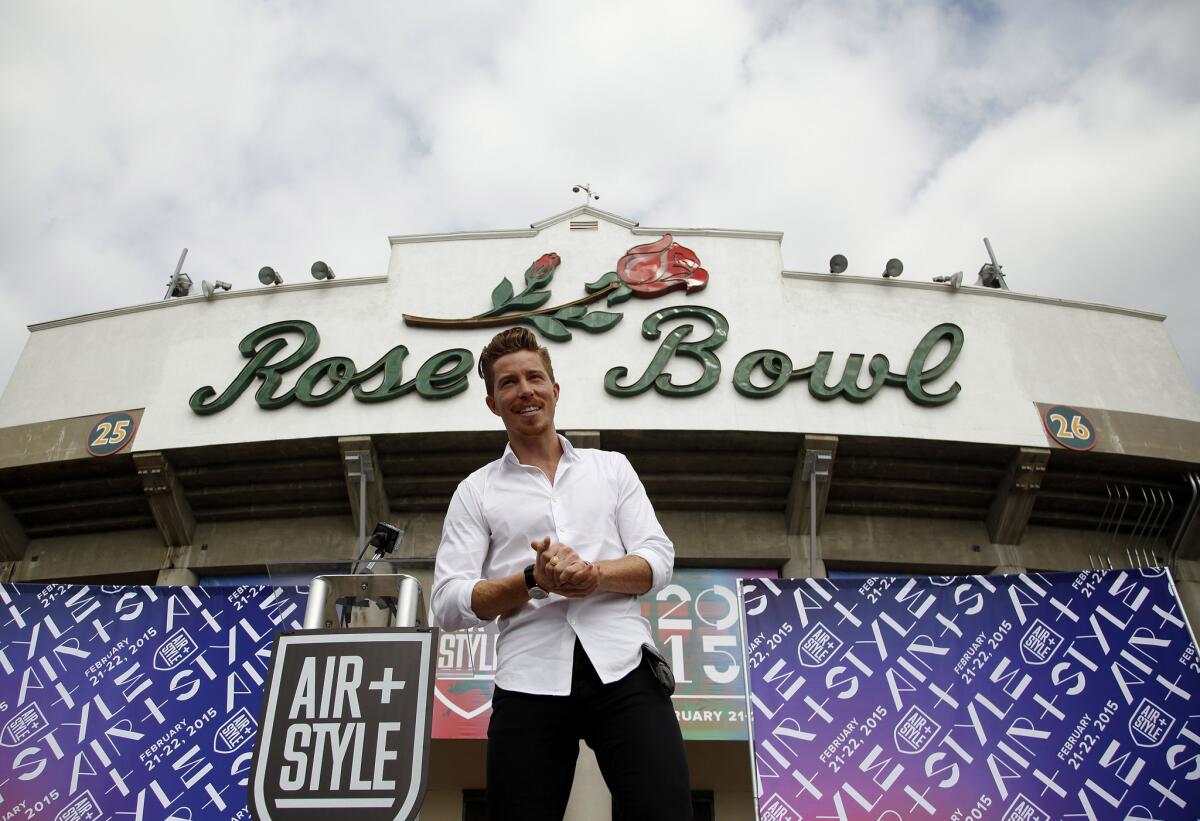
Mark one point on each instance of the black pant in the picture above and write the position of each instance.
(533, 741)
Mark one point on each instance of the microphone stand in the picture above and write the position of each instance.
(377, 541)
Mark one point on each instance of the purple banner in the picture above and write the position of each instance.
(133, 702)
(1022, 698)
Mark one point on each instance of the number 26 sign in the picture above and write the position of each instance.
(1069, 427)
(111, 434)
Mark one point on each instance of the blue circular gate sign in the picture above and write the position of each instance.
(1069, 427)
(110, 434)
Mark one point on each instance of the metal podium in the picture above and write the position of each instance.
(392, 598)
(348, 707)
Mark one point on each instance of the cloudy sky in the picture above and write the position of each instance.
(279, 133)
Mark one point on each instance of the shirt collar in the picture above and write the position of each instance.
(569, 454)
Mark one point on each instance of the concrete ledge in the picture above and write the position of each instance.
(93, 556)
(55, 441)
(231, 545)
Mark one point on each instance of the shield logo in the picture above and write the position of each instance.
(82, 806)
(1149, 724)
(178, 648)
(28, 722)
(236, 731)
(914, 731)
(776, 809)
(1040, 643)
(1022, 809)
(346, 726)
(818, 646)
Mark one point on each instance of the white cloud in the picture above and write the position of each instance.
(278, 134)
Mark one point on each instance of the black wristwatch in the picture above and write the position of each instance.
(531, 585)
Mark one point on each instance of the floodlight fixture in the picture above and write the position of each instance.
(893, 268)
(321, 270)
(991, 275)
(181, 285)
(953, 280)
(176, 285)
(837, 264)
(211, 288)
(586, 190)
(269, 276)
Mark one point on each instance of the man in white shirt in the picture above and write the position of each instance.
(559, 543)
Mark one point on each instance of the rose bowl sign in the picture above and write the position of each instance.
(345, 726)
(645, 271)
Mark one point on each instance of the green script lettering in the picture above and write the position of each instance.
(441, 376)
(656, 375)
(777, 367)
(446, 373)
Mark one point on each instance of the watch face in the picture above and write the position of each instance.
(535, 592)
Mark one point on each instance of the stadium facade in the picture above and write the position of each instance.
(915, 427)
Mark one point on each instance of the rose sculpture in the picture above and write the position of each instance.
(658, 267)
(542, 269)
(645, 271)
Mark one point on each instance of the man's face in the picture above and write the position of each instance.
(523, 394)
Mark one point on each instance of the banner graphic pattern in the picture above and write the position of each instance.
(1022, 698)
(133, 702)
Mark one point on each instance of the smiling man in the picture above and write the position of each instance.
(558, 543)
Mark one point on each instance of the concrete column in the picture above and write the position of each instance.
(1010, 560)
(177, 577)
(170, 507)
(798, 569)
(816, 454)
(377, 501)
(1015, 495)
(798, 506)
(797, 566)
(590, 798)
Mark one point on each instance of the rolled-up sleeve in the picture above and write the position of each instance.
(639, 529)
(459, 563)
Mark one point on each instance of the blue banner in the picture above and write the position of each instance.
(1022, 698)
(133, 702)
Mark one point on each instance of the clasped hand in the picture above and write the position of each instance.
(559, 569)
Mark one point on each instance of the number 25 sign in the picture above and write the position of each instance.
(111, 434)
(1069, 427)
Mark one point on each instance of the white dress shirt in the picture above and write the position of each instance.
(598, 507)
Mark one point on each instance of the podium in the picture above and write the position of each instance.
(349, 599)
(348, 706)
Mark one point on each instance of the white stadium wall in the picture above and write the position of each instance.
(1017, 350)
